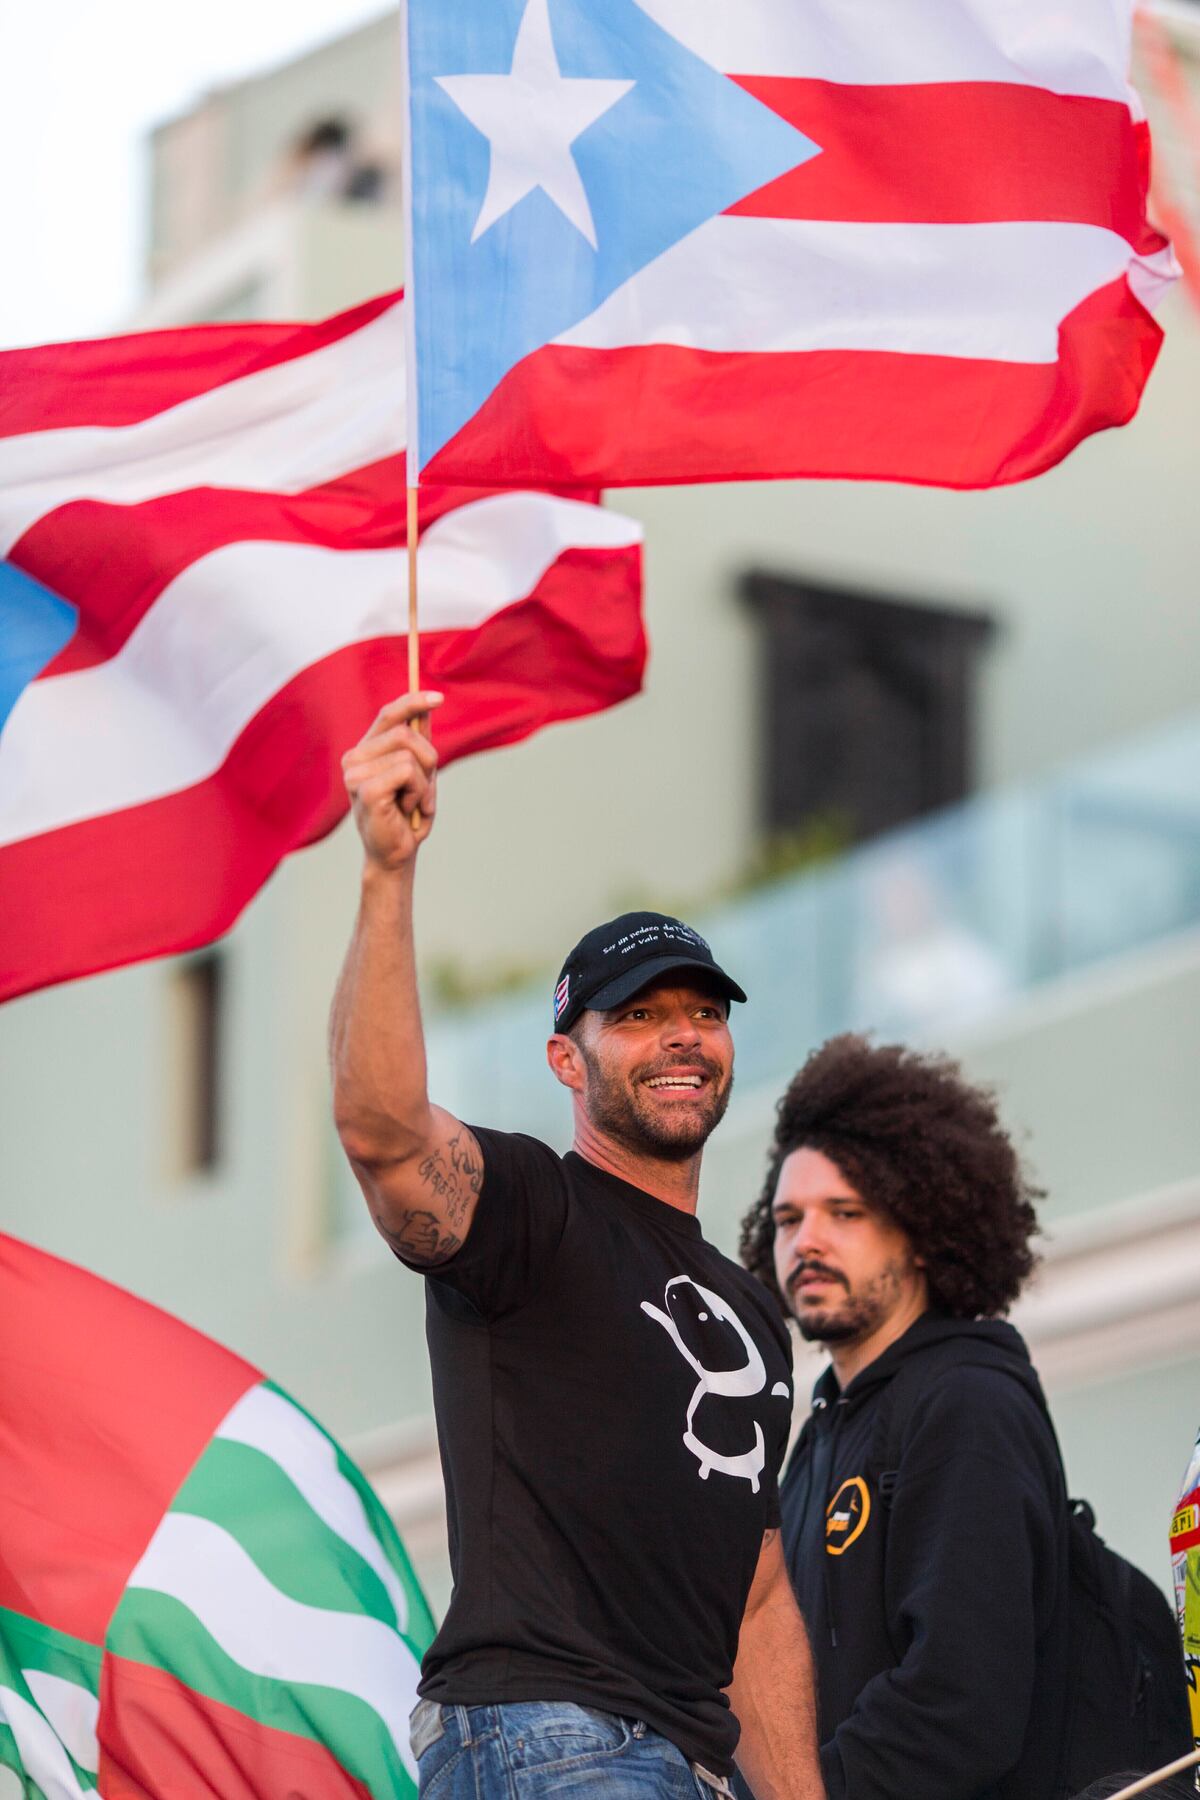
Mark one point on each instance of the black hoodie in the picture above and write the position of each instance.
(933, 1571)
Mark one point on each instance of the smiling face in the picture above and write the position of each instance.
(847, 1272)
(658, 1069)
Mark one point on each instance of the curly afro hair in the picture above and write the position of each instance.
(917, 1140)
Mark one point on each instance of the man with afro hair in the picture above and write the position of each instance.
(924, 1508)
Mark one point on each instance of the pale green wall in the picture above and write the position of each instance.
(1106, 1090)
(341, 237)
(1126, 1444)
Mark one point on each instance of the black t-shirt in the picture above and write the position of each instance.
(613, 1399)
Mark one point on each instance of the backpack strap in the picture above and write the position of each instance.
(900, 1402)
(902, 1399)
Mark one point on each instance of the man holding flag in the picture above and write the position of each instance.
(613, 1395)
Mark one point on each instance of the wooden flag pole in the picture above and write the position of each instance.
(414, 630)
(411, 410)
(414, 635)
(1148, 1782)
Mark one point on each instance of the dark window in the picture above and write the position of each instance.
(199, 991)
(868, 703)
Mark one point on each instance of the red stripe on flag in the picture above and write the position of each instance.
(660, 414)
(106, 1404)
(115, 561)
(160, 1740)
(912, 154)
(119, 380)
(130, 884)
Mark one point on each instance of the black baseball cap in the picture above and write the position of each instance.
(617, 960)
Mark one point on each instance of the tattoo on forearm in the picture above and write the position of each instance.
(455, 1174)
(420, 1238)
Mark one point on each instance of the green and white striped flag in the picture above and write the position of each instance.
(200, 1596)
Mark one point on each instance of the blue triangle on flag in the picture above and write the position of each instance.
(35, 623)
(683, 144)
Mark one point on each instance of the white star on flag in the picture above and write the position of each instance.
(531, 117)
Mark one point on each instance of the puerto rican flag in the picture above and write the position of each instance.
(690, 240)
(203, 603)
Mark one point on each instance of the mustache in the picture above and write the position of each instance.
(693, 1060)
(811, 1267)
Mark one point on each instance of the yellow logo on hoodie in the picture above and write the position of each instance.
(846, 1515)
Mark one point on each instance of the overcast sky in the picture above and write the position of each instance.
(81, 82)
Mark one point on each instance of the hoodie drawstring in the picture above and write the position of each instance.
(827, 1572)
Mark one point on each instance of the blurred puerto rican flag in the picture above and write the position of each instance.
(200, 1596)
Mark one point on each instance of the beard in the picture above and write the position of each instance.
(618, 1106)
(850, 1320)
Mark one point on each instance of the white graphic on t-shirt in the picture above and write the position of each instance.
(750, 1378)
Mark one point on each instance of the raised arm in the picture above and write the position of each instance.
(773, 1693)
(419, 1168)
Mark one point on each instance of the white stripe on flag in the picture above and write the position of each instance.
(72, 1709)
(1071, 47)
(994, 291)
(264, 1421)
(43, 1758)
(236, 626)
(269, 1634)
(284, 429)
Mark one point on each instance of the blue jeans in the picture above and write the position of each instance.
(538, 1748)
